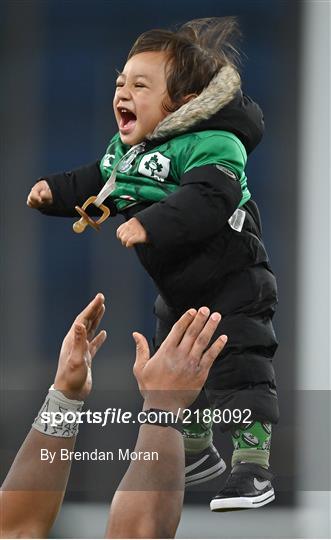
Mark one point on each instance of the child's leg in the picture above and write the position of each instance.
(243, 379)
(203, 462)
(198, 435)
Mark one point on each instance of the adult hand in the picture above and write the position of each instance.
(132, 232)
(40, 195)
(74, 375)
(177, 372)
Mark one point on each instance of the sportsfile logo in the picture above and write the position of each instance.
(112, 415)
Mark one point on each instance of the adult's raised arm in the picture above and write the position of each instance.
(33, 490)
(149, 499)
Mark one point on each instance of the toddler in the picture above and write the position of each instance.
(176, 172)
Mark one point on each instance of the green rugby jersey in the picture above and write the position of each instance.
(154, 174)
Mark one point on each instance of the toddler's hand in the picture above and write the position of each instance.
(132, 232)
(40, 195)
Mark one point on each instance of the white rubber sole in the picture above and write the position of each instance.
(237, 503)
(205, 476)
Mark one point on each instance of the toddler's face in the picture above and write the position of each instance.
(140, 91)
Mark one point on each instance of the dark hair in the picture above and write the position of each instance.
(196, 53)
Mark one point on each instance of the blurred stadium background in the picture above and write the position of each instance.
(58, 61)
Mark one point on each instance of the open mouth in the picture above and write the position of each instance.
(127, 120)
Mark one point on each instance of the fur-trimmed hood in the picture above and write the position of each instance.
(220, 106)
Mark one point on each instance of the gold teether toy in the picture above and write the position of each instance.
(85, 220)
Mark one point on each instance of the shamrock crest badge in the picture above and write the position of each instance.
(155, 166)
